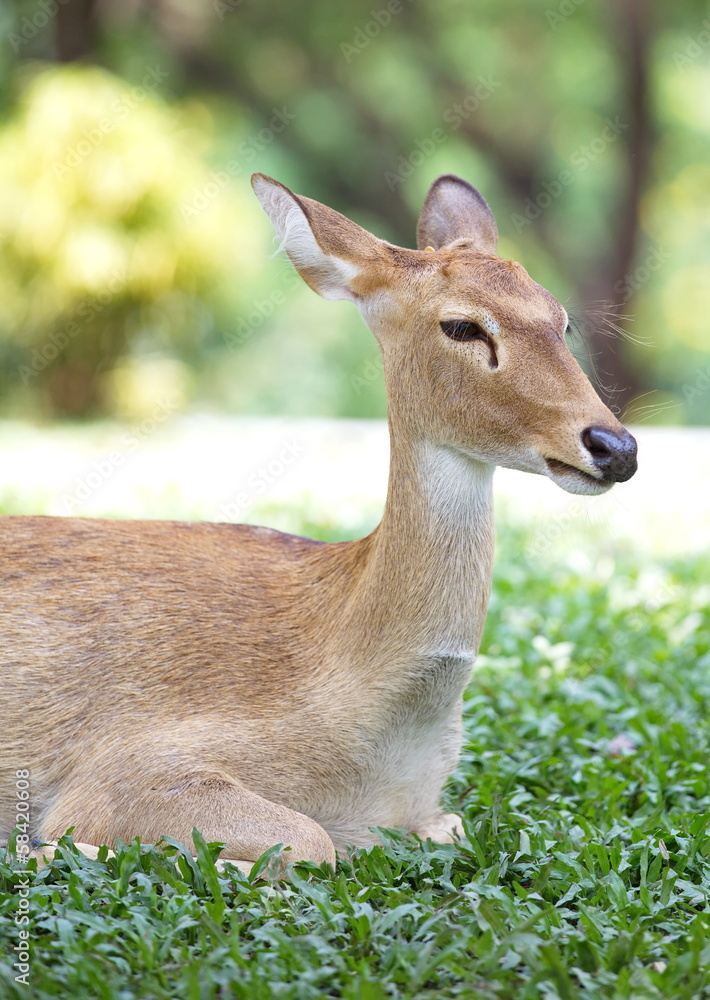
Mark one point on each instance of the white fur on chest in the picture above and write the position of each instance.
(398, 770)
(423, 717)
(428, 686)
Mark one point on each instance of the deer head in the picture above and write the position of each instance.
(474, 350)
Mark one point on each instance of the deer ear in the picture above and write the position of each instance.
(454, 210)
(326, 248)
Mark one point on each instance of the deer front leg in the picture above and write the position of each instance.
(222, 810)
(444, 829)
(47, 852)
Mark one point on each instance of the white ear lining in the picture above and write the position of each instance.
(330, 275)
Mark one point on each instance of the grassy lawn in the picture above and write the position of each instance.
(585, 871)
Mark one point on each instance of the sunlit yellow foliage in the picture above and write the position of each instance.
(106, 210)
(686, 306)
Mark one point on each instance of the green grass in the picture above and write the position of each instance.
(586, 867)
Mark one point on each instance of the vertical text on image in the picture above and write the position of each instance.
(21, 876)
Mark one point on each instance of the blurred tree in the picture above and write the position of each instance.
(574, 118)
(75, 29)
(103, 242)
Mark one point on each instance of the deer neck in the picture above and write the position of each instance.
(426, 577)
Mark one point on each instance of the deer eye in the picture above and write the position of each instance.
(465, 330)
(462, 329)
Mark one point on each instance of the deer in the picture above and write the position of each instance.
(268, 689)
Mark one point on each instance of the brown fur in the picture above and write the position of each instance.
(159, 675)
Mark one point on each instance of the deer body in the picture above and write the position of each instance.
(265, 688)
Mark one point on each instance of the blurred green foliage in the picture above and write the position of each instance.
(101, 263)
(132, 245)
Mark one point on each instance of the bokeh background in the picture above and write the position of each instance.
(136, 266)
(158, 360)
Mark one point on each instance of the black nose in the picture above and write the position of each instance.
(613, 454)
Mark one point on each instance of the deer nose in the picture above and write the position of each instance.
(613, 454)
